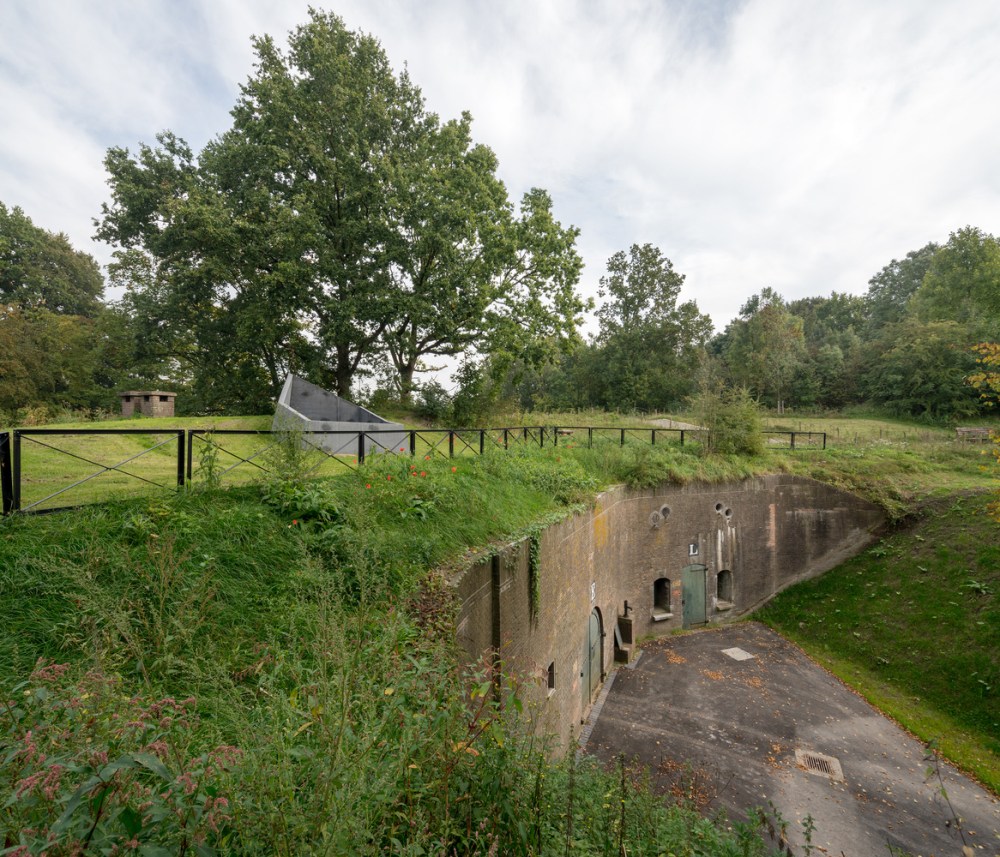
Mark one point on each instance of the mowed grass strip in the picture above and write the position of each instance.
(914, 625)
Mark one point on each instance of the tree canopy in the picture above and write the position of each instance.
(336, 225)
(40, 269)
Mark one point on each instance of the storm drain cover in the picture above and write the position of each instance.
(817, 763)
(737, 654)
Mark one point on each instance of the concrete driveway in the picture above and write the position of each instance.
(738, 716)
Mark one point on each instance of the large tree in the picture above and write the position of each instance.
(765, 347)
(40, 269)
(648, 342)
(889, 291)
(962, 283)
(335, 224)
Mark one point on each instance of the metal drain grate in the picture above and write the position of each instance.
(819, 764)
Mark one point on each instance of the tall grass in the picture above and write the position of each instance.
(299, 616)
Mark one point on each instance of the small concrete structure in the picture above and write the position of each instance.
(148, 403)
(303, 406)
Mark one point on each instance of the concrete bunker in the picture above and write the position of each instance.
(304, 406)
(147, 403)
(641, 575)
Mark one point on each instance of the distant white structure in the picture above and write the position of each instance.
(303, 406)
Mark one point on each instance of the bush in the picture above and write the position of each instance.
(86, 768)
(732, 418)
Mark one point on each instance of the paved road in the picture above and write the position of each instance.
(726, 731)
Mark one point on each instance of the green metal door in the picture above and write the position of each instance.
(693, 595)
(591, 673)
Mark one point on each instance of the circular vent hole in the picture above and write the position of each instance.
(665, 511)
(718, 507)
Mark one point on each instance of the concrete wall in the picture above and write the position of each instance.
(767, 532)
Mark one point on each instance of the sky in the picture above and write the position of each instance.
(795, 144)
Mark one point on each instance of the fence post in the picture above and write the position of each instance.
(6, 483)
(413, 443)
(15, 470)
(652, 437)
(824, 440)
(682, 437)
(482, 441)
(361, 447)
(505, 439)
(590, 437)
(623, 437)
(190, 453)
(555, 435)
(451, 444)
(793, 439)
(181, 458)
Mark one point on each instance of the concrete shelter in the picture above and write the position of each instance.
(303, 406)
(148, 403)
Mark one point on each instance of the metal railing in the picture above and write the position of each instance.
(168, 455)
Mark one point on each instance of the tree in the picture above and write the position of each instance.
(648, 342)
(890, 290)
(469, 274)
(336, 225)
(765, 347)
(922, 370)
(41, 269)
(963, 283)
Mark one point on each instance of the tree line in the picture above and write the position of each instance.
(340, 230)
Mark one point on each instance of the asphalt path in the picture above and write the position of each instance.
(738, 717)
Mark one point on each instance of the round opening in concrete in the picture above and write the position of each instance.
(718, 507)
(664, 512)
(729, 513)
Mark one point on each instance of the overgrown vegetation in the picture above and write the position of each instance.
(913, 624)
(268, 670)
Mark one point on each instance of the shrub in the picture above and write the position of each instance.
(85, 768)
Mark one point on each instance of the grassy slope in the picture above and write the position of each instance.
(292, 624)
(913, 623)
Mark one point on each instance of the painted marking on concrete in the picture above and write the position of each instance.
(737, 654)
(819, 764)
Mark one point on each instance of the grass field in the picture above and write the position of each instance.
(914, 624)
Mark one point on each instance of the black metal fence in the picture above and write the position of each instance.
(164, 459)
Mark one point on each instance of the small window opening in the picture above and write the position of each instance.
(145, 398)
(552, 676)
(661, 595)
(724, 583)
(163, 398)
(127, 398)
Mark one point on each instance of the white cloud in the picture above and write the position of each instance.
(789, 143)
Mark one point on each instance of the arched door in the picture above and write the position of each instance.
(592, 657)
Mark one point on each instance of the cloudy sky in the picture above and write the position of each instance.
(796, 144)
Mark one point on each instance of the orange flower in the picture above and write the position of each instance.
(388, 478)
(454, 469)
(368, 485)
(423, 472)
